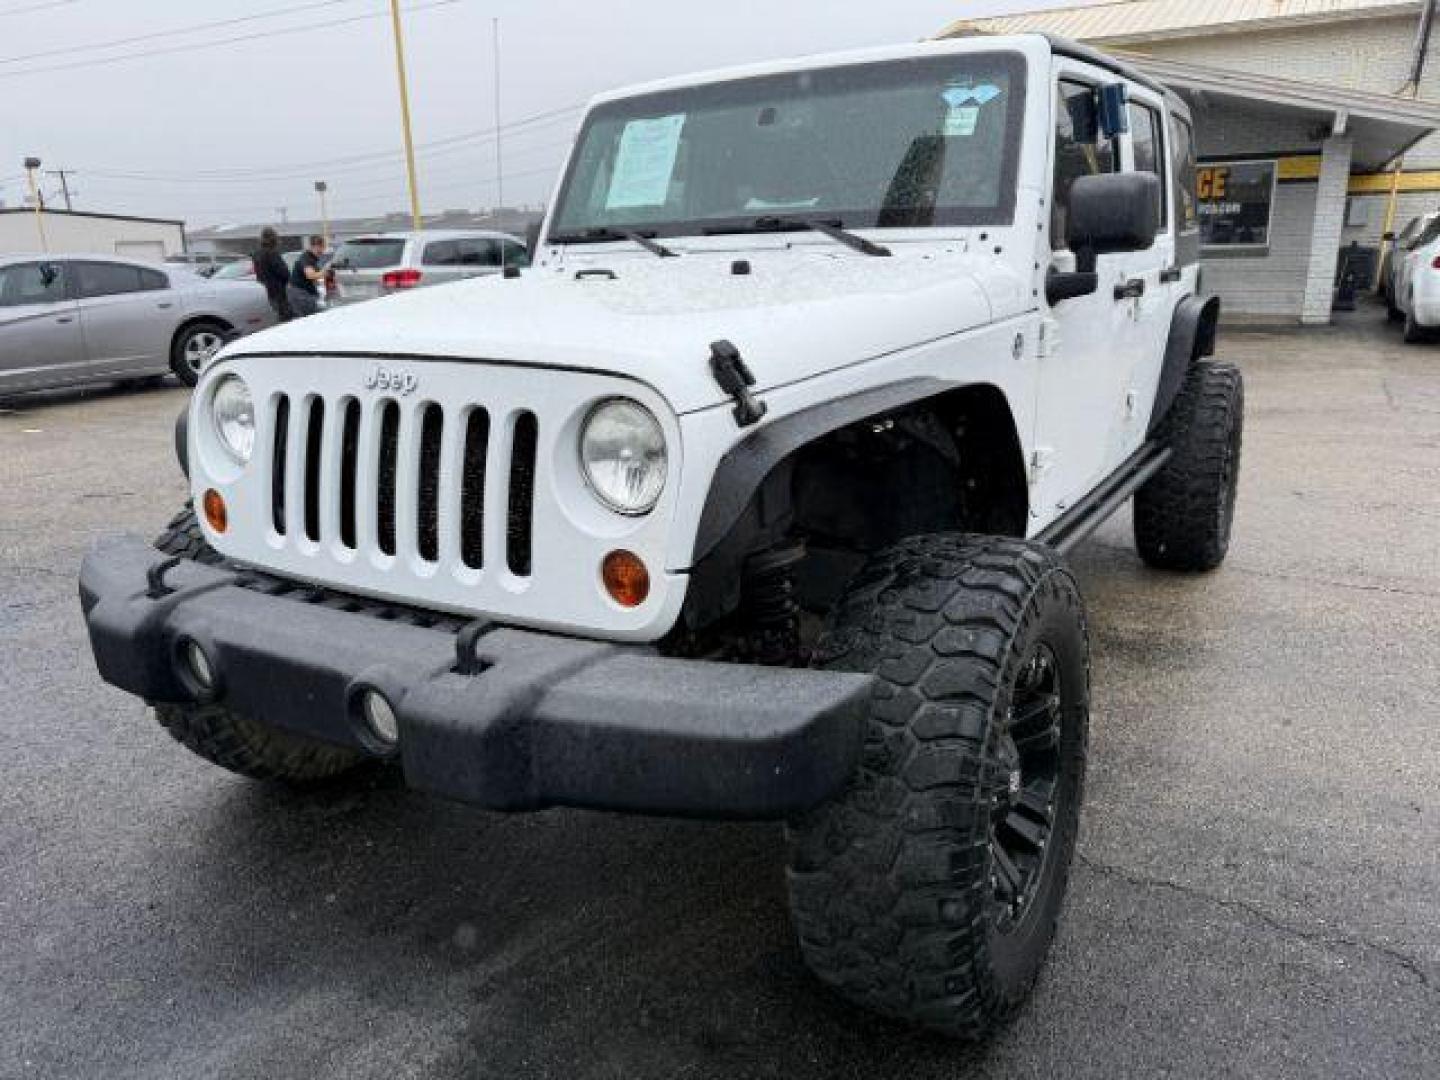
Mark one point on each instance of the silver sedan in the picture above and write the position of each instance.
(71, 319)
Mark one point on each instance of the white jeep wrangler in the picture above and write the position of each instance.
(748, 500)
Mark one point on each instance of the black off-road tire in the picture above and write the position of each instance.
(895, 884)
(1414, 333)
(182, 536)
(1393, 313)
(1184, 513)
(249, 747)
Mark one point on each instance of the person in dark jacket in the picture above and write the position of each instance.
(308, 278)
(271, 272)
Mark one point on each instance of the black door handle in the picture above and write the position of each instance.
(1131, 290)
(64, 318)
(1171, 275)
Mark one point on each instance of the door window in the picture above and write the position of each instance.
(1183, 161)
(1080, 150)
(31, 283)
(442, 253)
(516, 255)
(479, 252)
(1148, 145)
(153, 280)
(106, 279)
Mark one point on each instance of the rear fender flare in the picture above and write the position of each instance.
(1192, 335)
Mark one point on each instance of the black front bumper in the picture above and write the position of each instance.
(525, 721)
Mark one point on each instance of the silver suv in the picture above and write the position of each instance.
(370, 266)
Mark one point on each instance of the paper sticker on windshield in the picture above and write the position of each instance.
(645, 162)
(961, 121)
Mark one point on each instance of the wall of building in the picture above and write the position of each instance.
(78, 233)
(1373, 55)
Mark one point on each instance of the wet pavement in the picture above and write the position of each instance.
(1257, 894)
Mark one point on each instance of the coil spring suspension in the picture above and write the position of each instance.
(768, 607)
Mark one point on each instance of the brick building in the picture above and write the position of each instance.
(1305, 110)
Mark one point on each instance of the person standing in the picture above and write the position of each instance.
(272, 273)
(307, 279)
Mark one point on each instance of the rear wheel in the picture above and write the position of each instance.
(193, 348)
(1184, 513)
(931, 889)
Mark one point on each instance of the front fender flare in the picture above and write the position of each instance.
(745, 465)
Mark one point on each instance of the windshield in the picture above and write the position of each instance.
(369, 254)
(906, 143)
(234, 271)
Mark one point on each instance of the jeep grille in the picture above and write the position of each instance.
(389, 466)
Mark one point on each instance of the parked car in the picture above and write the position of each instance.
(1415, 290)
(205, 264)
(751, 501)
(1393, 251)
(370, 266)
(94, 318)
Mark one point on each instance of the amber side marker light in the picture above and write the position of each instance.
(215, 513)
(626, 579)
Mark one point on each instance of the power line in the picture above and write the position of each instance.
(36, 7)
(302, 169)
(258, 35)
(193, 28)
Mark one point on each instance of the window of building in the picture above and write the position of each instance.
(1148, 146)
(1235, 202)
(1080, 150)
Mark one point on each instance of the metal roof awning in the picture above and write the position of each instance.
(1381, 126)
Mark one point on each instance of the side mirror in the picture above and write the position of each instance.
(1112, 212)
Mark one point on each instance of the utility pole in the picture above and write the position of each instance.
(31, 164)
(405, 113)
(321, 188)
(64, 184)
(499, 164)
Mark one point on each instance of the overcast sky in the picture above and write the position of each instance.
(214, 130)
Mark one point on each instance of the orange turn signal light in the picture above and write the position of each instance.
(216, 515)
(626, 579)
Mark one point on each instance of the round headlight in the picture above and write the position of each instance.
(623, 452)
(232, 411)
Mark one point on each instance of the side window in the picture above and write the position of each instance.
(442, 253)
(1080, 150)
(105, 279)
(1428, 235)
(1148, 143)
(153, 280)
(31, 283)
(1183, 158)
(478, 252)
(516, 255)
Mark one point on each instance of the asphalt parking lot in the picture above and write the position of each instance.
(1258, 892)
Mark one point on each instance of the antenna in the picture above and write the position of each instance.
(499, 165)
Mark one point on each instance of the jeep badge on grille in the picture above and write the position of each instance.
(399, 380)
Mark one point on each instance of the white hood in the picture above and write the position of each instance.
(799, 312)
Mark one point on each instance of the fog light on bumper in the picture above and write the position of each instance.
(379, 716)
(198, 666)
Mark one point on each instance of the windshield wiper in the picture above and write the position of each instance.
(833, 229)
(602, 233)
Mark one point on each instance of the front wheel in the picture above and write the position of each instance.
(193, 349)
(931, 889)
